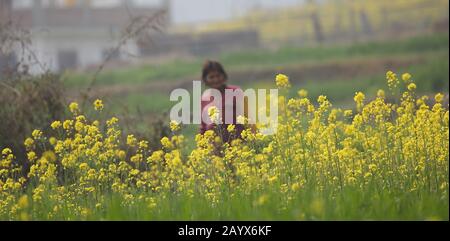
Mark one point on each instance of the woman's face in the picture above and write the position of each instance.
(215, 79)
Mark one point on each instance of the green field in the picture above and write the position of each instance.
(376, 163)
(308, 204)
(257, 59)
(147, 87)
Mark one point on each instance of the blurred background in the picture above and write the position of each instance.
(132, 54)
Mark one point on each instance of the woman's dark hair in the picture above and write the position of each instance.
(211, 65)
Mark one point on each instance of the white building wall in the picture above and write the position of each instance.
(89, 47)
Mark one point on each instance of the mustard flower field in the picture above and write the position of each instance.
(385, 159)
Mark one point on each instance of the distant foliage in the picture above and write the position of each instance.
(28, 103)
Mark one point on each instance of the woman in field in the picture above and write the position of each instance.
(215, 78)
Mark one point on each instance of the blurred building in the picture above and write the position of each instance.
(7, 58)
(5, 10)
(77, 34)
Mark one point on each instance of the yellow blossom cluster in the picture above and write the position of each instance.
(80, 163)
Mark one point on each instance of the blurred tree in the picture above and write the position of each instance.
(365, 23)
(337, 28)
(315, 19)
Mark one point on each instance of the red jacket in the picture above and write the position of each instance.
(206, 99)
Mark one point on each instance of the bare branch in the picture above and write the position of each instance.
(136, 26)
